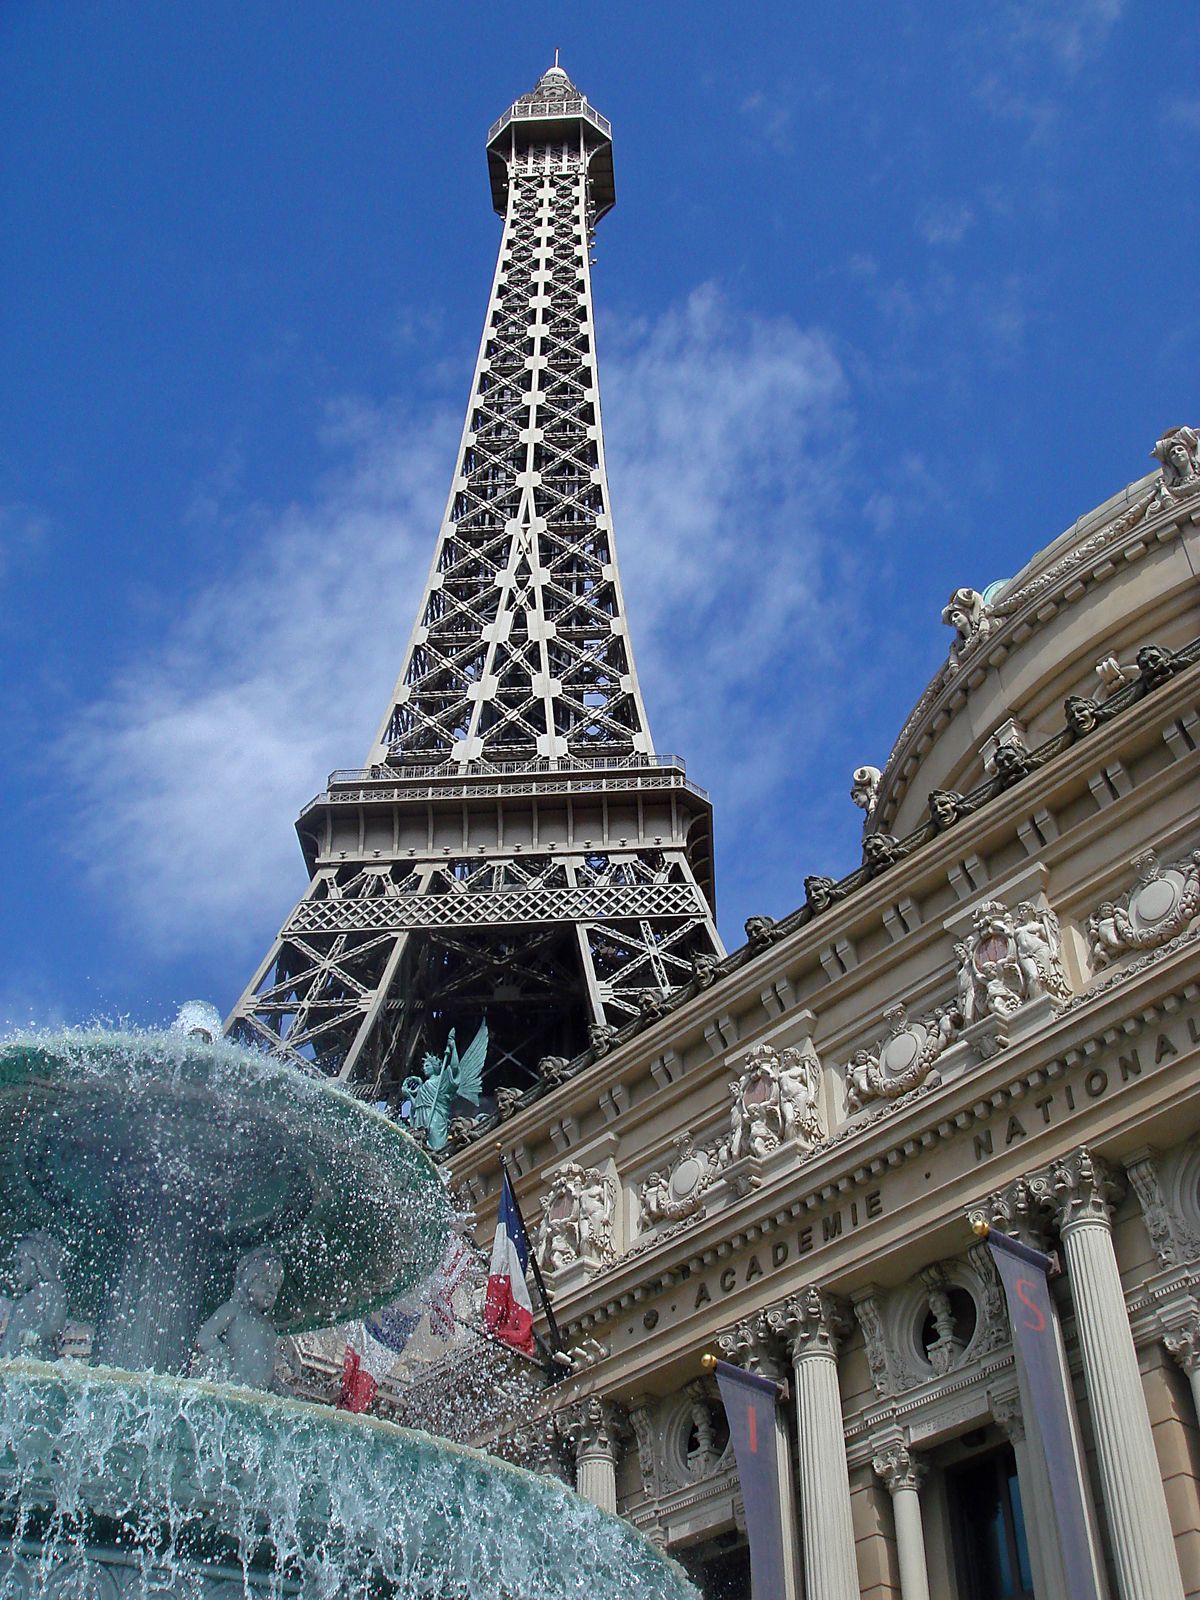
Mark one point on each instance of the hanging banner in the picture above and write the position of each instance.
(751, 1406)
(1025, 1274)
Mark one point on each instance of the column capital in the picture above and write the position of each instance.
(1009, 1417)
(1182, 1340)
(899, 1467)
(811, 1322)
(1080, 1188)
(593, 1425)
(753, 1344)
(1017, 1209)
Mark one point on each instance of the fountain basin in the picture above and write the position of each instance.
(157, 1161)
(145, 1485)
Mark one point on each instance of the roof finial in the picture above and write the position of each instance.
(556, 55)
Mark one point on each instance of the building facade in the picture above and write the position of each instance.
(995, 1016)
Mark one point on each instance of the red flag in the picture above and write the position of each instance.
(358, 1386)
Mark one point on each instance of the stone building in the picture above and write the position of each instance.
(996, 1014)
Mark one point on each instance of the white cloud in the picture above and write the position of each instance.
(723, 432)
(202, 751)
(1071, 31)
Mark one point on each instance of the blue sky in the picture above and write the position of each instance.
(890, 296)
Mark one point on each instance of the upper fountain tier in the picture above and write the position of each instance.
(157, 1161)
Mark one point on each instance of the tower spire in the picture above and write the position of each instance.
(514, 847)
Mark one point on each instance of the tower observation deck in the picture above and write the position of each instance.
(514, 849)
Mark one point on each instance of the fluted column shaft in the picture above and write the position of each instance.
(903, 1474)
(1139, 1523)
(591, 1426)
(812, 1325)
(596, 1477)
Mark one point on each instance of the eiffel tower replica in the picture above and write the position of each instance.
(514, 850)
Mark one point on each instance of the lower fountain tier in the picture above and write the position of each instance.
(153, 1487)
(156, 1161)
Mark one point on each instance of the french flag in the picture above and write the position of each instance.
(508, 1309)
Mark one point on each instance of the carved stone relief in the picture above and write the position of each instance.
(776, 1102)
(1009, 958)
(902, 1059)
(679, 1189)
(1161, 903)
(577, 1219)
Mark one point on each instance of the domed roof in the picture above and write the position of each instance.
(1068, 623)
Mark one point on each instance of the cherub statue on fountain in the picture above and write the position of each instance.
(238, 1343)
(39, 1305)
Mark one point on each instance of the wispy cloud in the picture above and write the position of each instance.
(1181, 113)
(1069, 31)
(23, 529)
(945, 222)
(725, 433)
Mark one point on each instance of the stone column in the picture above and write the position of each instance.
(903, 1473)
(1080, 1189)
(592, 1426)
(812, 1326)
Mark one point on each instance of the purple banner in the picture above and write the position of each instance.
(1024, 1272)
(750, 1405)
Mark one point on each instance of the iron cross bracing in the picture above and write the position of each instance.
(514, 848)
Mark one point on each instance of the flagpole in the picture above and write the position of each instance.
(551, 1319)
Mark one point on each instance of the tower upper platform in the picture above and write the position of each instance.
(553, 112)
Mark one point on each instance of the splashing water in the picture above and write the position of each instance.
(153, 1164)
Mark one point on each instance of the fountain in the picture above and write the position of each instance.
(188, 1202)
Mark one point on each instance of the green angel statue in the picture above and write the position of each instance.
(448, 1077)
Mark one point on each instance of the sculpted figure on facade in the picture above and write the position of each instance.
(902, 1059)
(970, 616)
(1011, 763)
(775, 1101)
(946, 806)
(864, 790)
(704, 969)
(1162, 902)
(881, 851)
(577, 1219)
(761, 933)
(600, 1037)
(1157, 665)
(820, 893)
(1081, 714)
(1179, 452)
(552, 1069)
(679, 1190)
(1011, 957)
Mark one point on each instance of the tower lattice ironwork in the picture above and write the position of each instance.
(514, 847)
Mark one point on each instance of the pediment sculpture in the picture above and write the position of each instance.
(902, 1060)
(577, 1219)
(1161, 903)
(969, 614)
(1179, 452)
(1009, 958)
(776, 1101)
